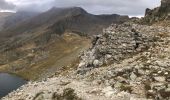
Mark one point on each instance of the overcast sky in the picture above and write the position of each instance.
(123, 7)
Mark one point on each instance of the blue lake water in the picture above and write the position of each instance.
(9, 82)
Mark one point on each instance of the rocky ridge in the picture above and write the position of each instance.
(119, 42)
(126, 62)
(158, 14)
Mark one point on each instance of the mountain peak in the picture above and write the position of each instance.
(79, 9)
(71, 9)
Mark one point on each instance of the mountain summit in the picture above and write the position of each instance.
(75, 10)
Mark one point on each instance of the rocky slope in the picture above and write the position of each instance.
(126, 62)
(138, 64)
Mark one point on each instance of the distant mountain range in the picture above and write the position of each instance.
(58, 20)
(18, 17)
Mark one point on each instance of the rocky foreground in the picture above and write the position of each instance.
(126, 62)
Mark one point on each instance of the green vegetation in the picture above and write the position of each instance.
(45, 59)
(68, 94)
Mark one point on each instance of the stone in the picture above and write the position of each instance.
(124, 45)
(159, 72)
(133, 76)
(158, 86)
(96, 63)
(150, 91)
(117, 85)
(108, 91)
(166, 73)
(167, 90)
(140, 71)
(108, 56)
(82, 64)
(160, 78)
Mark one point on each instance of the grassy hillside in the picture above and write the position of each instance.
(44, 59)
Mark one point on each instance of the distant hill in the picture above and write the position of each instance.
(3, 16)
(18, 17)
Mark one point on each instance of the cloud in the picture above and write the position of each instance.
(124, 7)
(4, 5)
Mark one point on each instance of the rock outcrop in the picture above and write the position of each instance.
(158, 14)
(138, 64)
(119, 42)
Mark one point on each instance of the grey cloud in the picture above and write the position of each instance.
(124, 7)
(4, 5)
(36, 5)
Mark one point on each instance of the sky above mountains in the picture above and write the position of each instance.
(123, 7)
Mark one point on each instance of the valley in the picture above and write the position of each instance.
(71, 54)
